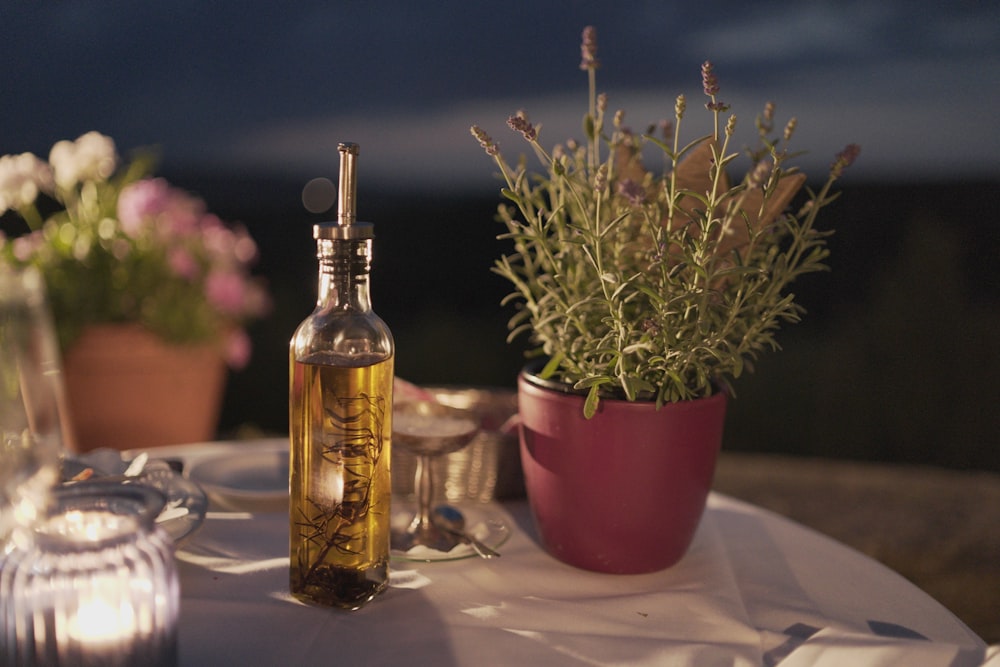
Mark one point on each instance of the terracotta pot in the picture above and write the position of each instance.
(127, 388)
(624, 491)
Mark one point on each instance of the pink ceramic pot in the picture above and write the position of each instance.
(622, 492)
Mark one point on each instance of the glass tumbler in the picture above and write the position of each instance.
(92, 583)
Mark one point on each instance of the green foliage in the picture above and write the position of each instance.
(662, 287)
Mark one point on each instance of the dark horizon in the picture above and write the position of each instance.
(903, 317)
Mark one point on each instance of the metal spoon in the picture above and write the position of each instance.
(451, 521)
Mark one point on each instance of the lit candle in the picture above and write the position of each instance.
(100, 620)
(102, 630)
(102, 624)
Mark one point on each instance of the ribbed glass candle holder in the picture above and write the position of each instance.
(92, 583)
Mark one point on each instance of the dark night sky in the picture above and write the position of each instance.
(272, 87)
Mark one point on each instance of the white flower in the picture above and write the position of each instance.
(90, 157)
(21, 178)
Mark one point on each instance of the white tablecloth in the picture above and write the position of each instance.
(755, 589)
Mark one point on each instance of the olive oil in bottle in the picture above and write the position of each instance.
(340, 421)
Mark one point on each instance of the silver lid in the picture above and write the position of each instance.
(331, 230)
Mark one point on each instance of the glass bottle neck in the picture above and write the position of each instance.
(344, 270)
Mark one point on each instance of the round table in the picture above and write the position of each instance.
(754, 589)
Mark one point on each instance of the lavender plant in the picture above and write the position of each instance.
(656, 287)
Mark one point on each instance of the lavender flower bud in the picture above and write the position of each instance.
(519, 123)
(730, 126)
(766, 123)
(759, 175)
(632, 191)
(679, 106)
(588, 49)
(845, 159)
(790, 128)
(661, 252)
(708, 79)
(485, 140)
(601, 179)
(619, 118)
(602, 102)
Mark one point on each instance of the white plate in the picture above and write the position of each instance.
(254, 478)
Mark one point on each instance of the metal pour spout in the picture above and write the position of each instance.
(346, 226)
(348, 188)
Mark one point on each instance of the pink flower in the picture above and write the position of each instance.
(238, 348)
(182, 214)
(245, 248)
(226, 291)
(140, 203)
(229, 245)
(218, 240)
(154, 202)
(25, 246)
(182, 263)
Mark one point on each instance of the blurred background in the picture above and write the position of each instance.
(245, 103)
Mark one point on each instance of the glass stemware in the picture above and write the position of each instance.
(429, 429)
(32, 401)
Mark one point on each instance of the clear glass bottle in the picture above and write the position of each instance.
(340, 419)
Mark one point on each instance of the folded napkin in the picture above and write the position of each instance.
(832, 648)
(407, 391)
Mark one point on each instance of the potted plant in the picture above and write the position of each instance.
(644, 295)
(149, 291)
